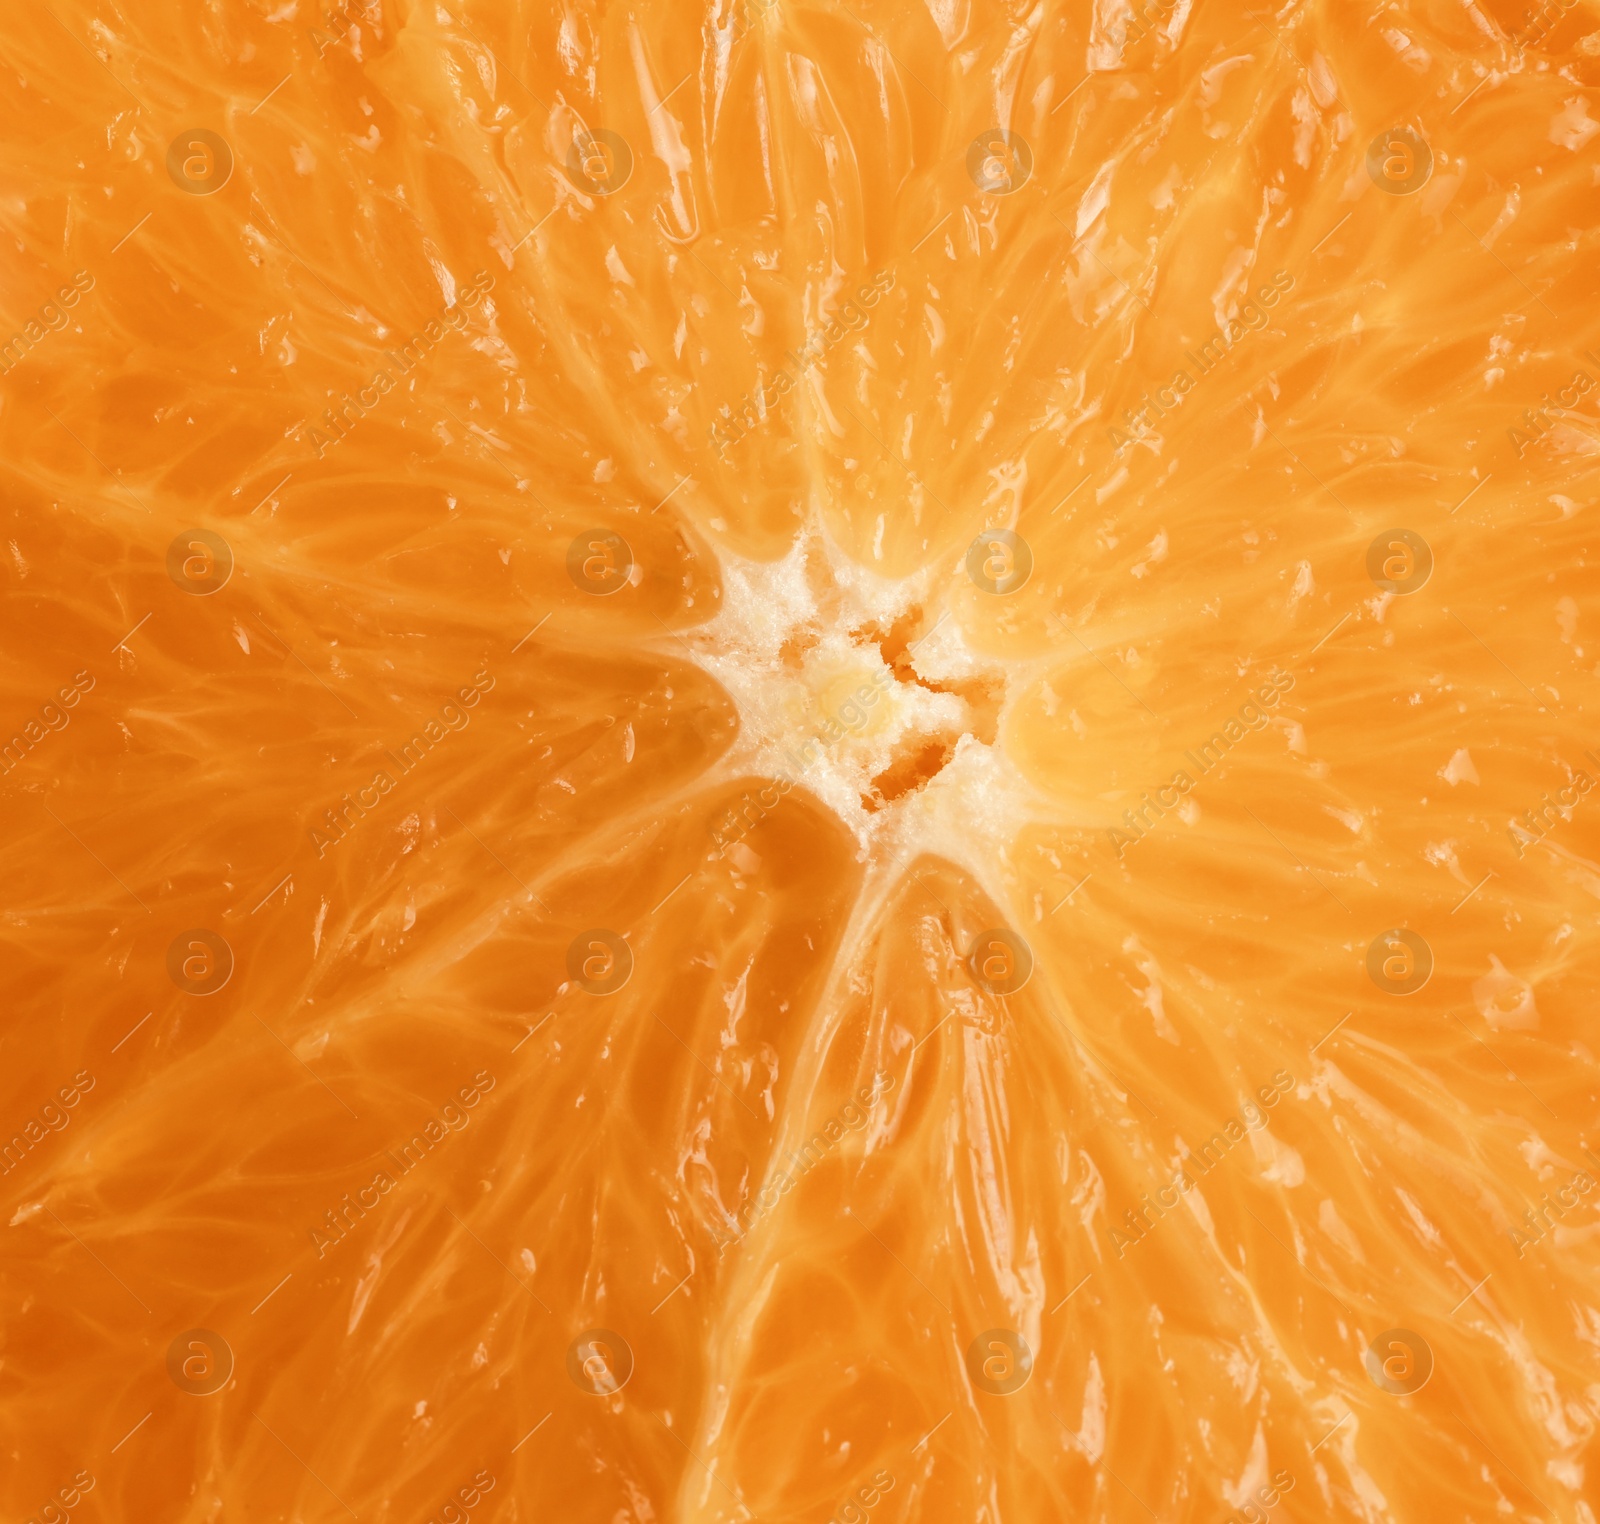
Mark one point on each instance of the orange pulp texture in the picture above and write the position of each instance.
(488, 491)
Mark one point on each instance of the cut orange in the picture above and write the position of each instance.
(799, 762)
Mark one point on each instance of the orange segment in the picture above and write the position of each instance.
(796, 763)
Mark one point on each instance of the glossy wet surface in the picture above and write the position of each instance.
(799, 763)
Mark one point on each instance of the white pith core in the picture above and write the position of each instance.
(919, 768)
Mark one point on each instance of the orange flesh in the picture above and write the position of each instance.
(726, 710)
